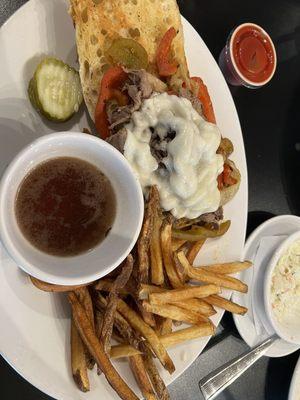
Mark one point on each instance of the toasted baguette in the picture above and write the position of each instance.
(99, 22)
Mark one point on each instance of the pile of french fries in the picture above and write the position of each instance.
(133, 311)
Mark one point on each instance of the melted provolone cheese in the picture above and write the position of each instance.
(188, 181)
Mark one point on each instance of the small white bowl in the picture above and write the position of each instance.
(292, 334)
(106, 256)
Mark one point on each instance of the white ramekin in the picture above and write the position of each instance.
(106, 256)
(292, 333)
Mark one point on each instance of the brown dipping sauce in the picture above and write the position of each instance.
(65, 206)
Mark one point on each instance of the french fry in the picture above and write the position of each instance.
(98, 328)
(166, 237)
(228, 268)
(227, 305)
(147, 316)
(144, 290)
(84, 298)
(190, 292)
(197, 305)
(157, 272)
(95, 347)
(177, 243)
(165, 326)
(180, 269)
(78, 360)
(175, 313)
(157, 383)
(203, 275)
(169, 340)
(49, 287)
(139, 371)
(112, 302)
(143, 242)
(120, 323)
(106, 285)
(145, 330)
(194, 250)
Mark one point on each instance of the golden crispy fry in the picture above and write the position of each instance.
(138, 324)
(78, 360)
(49, 287)
(203, 275)
(227, 305)
(120, 323)
(165, 326)
(180, 269)
(175, 313)
(177, 244)
(106, 285)
(157, 273)
(109, 315)
(197, 305)
(98, 328)
(139, 371)
(166, 232)
(190, 292)
(228, 268)
(169, 340)
(84, 298)
(147, 316)
(143, 242)
(95, 347)
(194, 250)
(144, 290)
(157, 383)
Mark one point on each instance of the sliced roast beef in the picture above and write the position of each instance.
(208, 218)
(139, 86)
(212, 217)
(118, 140)
(187, 94)
(117, 116)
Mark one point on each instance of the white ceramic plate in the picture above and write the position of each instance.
(294, 392)
(34, 325)
(277, 226)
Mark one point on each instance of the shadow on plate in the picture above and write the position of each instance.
(52, 304)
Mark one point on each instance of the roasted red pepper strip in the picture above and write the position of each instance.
(165, 67)
(220, 181)
(225, 178)
(205, 100)
(111, 81)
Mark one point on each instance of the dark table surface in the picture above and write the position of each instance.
(270, 120)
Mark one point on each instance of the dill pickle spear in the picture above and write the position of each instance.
(128, 53)
(55, 90)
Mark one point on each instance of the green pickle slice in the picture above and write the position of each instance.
(55, 90)
(129, 53)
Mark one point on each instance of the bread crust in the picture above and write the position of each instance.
(99, 22)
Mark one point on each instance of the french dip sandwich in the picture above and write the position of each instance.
(138, 91)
